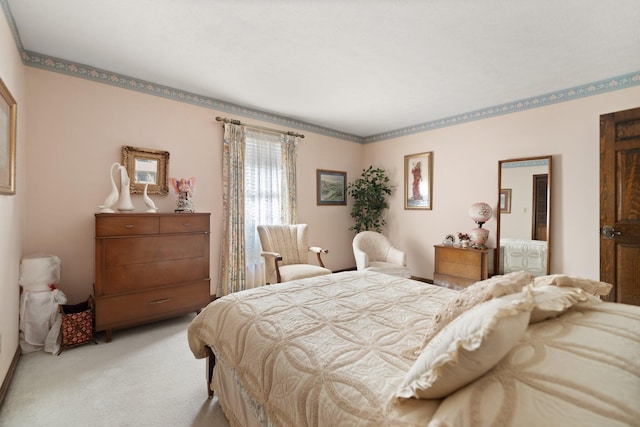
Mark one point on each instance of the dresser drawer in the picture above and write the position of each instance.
(140, 307)
(457, 267)
(184, 223)
(108, 225)
(454, 255)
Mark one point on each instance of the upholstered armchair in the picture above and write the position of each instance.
(374, 252)
(285, 249)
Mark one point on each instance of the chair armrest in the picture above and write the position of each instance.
(275, 256)
(319, 251)
(271, 255)
(362, 259)
(396, 256)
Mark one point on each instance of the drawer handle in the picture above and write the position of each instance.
(128, 226)
(187, 224)
(159, 301)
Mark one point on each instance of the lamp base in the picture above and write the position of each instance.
(479, 237)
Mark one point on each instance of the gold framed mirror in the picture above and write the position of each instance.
(146, 166)
(523, 216)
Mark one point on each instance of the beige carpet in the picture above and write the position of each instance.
(146, 376)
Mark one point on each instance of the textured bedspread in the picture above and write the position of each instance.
(580, 369)
(327, 351)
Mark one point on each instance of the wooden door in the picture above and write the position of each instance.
(540, 191)
(620, 204)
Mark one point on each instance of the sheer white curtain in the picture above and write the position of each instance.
(263, 202)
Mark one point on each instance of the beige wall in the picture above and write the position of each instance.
(77, 129)
(11, 207)
(466, 171)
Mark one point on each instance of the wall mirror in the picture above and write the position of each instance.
(145, 166)
(524, 210)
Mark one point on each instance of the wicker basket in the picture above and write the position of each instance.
(77, 324)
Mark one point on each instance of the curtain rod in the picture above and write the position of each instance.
(237, 122)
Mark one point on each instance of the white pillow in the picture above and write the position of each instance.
(551, 301)
(473, 295)
(466, 348)
(592, 286)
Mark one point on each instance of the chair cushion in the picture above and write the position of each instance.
(389, 268)
(301, 271)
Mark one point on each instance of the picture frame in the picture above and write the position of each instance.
(8, 122)
(505, 200)
(146, 166)
(418, 181)
(331, 187)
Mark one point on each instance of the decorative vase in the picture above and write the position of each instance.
(124, 201)
(112, 198)
(464, 243)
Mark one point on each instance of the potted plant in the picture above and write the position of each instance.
(369, 193)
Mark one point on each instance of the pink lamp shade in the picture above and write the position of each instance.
(480, 213)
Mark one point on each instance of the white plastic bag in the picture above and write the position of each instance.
(38, 314)
(38, 271)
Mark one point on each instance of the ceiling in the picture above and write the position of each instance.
(359, 67)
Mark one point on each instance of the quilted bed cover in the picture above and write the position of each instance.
(332, 351)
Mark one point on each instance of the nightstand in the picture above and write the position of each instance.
(457, 268)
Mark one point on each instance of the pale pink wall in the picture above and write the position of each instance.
(12, 73)
(466, 171)
(77, 129)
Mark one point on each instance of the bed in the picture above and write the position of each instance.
(369, 349)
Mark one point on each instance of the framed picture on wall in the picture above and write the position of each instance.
(418, 180)
(505, 200)
(331, 187)
(8, 117)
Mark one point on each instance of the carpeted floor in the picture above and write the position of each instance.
(146, 376)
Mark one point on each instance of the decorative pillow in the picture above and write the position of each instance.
(467, 347)
(592, 286)
(551, 301)
(473, 295)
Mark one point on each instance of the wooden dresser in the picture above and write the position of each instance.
(457, 268)
(149, 266)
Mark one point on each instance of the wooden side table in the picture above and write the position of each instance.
(457, 268)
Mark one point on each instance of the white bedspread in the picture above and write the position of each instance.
(325, 352)
(328, 351)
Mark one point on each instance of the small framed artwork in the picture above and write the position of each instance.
(418, 180)
(8, 118)
(331, 187)
(505, 200)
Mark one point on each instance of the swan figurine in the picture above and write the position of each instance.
(151, 206)
(112, 198)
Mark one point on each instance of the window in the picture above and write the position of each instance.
(264, 200)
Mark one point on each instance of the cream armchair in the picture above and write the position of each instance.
(285, 249)
(374, 252)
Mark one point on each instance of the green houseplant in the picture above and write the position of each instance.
(369, 193)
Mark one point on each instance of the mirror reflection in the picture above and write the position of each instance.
(523, 221)
(146, 171)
